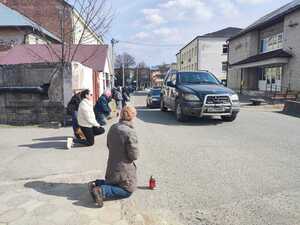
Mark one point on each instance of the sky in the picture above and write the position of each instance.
(153, 31)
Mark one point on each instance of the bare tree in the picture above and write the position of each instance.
(141, 65)
(80, 22)
(126, 60)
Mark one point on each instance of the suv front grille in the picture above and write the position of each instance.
(218, 100)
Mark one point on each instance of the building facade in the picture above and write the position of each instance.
(207, 52)
(265, 57)
(48, 14)
(18, 29)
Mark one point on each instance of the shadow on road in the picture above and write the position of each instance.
(48, 143)
(76, 192)
(168, 118)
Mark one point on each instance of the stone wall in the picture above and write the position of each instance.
(21, 107)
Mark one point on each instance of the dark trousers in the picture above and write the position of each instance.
(75, 123)
(90, 134)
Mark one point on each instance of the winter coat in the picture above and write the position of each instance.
(102, 106)
(86, 115)
(122, 143)
(73, 105)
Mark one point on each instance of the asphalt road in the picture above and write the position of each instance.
(208, 172)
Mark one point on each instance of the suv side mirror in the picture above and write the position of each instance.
(224, 82)
(170, 84)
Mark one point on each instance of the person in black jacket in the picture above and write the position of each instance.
(102, 109)
(72, 109)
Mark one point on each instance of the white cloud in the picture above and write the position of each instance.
(253, 2)
(141, 35)
(153, 17)
(227, 8)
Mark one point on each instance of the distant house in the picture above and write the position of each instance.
(265, 56)
(33, 88)
(207, 52)
(18, 29)
(48, 15)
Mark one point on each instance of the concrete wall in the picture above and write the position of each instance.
(272, 30)
(211, 56)
(32, 108)
(239, 49)
(291, 44)
(188, 57)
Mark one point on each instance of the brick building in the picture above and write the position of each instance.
(48, 14)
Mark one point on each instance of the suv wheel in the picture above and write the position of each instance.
(179, 114)
(229, 118)
(162, 105)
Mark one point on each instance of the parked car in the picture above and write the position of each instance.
(153, 98)
(198, 94)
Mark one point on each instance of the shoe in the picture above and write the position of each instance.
(98, 196)
(91, 186)
(69, 143)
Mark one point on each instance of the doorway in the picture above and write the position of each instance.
(270, 79)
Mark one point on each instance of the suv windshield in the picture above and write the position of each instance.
(155, 92)
(197, 78)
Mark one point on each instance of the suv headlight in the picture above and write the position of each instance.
(234, 97)
(190, 97)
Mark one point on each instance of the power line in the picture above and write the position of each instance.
(151, 44)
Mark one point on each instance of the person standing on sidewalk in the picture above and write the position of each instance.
(117, 96)
(121, 178)
(87, 121)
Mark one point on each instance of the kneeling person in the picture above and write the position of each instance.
(121, 178)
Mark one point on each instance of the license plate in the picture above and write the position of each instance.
(216, 109)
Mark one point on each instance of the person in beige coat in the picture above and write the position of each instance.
(121, 178)
(87, 121)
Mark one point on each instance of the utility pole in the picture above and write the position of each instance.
(137, 78)
(113, 42)
(123, 73)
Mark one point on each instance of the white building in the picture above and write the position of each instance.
(207, 52)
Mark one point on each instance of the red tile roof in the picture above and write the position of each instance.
(93, 56)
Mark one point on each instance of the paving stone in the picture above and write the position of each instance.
(18, 200)
(45, 210)
(32, 205)
(11, 215)
(107, 215)
(121, 222)
(95, 222)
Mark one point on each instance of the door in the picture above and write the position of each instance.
(271, 79)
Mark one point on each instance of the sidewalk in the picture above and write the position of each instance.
(41, 183)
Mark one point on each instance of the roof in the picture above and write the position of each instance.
(93, 56)
(268, 55)
(224, 33)
(270, 18)
(12, 18)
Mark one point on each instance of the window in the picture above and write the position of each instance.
(271, 43)
(225, 49)
(224, 66)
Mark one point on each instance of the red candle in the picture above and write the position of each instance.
(152, 183)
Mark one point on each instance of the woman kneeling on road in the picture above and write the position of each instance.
(120, 179)
(87, 121)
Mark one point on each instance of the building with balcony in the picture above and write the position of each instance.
(265, 56)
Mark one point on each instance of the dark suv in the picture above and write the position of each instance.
(198, 94)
